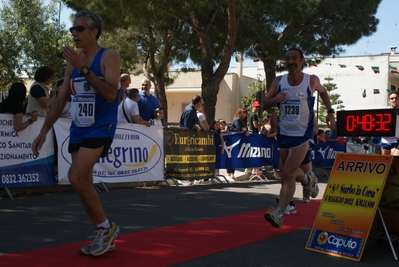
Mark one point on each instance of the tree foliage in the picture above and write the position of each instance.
(206, 33)
(31, 36)
(142, 35)
(319, 28)
(256, 91)
(159, 33)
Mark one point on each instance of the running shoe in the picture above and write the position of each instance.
(85, 250)
(291, 209)
(275, 218)
(305, 199)
(315, 187)
(103, 240)
(307, 189)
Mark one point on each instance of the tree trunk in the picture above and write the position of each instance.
(160, 92)
(269, 66)
(211, 79)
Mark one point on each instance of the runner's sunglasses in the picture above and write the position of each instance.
(79, 28)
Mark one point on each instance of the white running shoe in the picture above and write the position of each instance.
(315, 187)
(103, 240)
(291, 209)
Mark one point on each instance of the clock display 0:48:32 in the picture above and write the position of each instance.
(367, 122)
(373, 122)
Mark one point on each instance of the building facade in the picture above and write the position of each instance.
(363, 82)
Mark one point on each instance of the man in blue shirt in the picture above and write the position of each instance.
(148, 102)
(189, 118)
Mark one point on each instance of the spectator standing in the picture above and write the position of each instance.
(158, 117)
(189, 118)
(254, 122)
(201, 116)
(293, 93)
(321, 136)
(255, 126)
(40, 97)
(223, 126)
(240, 122)
(215, 126)
(14, 104)
(327, 135)
(128, 111)
(389, 145)
(239, 125)
(148, 102)
(125, 81)
(92, 75)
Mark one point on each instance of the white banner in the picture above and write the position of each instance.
(136, 154)
(18, 166)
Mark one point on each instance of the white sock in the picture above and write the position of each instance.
(104, 225)
(280, 209)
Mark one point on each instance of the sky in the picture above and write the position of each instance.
(387, 33)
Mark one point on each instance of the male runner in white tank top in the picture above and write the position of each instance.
(293, 94)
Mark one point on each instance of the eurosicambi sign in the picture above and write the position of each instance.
(189, 154)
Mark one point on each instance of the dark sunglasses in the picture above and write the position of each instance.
(79, 28)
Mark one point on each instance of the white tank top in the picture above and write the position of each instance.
(296, 111)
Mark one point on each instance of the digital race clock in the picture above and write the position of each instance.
(373, 122)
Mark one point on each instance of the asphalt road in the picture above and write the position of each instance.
(44, 220)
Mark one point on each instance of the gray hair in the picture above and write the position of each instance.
(93, 20)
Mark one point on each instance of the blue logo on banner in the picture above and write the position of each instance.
(339, 244)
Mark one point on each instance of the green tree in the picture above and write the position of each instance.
(334, 98)
(314, 26)
(211, 29)
(256, 90)
(207, 36)
(215, 25)
(31, 36)
(144, 36)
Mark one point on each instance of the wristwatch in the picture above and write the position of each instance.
(84, 71)
(331, 111)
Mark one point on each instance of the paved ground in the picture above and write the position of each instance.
(43, 220)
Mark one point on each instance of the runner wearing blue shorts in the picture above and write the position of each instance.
(293, 94)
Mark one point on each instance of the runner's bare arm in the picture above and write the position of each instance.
(110, 67)
(271, 98)
(55, 111)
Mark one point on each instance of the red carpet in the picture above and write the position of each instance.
(173, 244)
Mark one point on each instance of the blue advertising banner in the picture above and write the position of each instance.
(19, 167)
(241, 151)
(325, 153)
